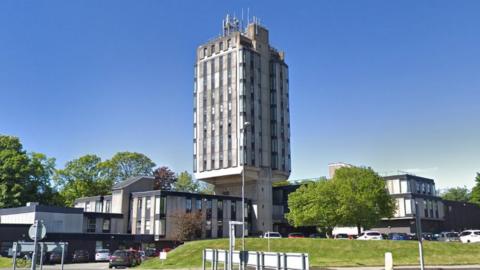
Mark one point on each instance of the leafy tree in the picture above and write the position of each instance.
(127, 164)
(353, 197)
(460, 194)
(40, 188)
(24, 176)
(187, 226)
(14, 171)
(85, 176)
(205, 188)
(362, 197)
(164, 178)
(475, 194)
(314, 204)
(186, 183)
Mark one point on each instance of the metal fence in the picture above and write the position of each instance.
(257, 259)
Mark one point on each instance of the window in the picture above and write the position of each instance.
(208, 229)
(98, 206)
(106, 225)
(162, 227)
(204, 52)
(149, 204)
(138, 228)
(229, 43)
(163, 205)
(209, 209)
(188, 205)
(108, 206)
(91, 225)
(408, 206)
(198, 204)
(219, 210)
(425, 208)
(139, 207)
(404, 186)
(233, 210)
(87, 207)
(221, 45)
(147, 227)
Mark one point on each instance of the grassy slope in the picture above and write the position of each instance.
(323, 252)
(5, 262)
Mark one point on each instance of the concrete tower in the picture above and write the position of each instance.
(240, 78)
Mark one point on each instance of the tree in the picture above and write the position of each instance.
(362, 197)
(127, 164)
(187, 226)
(205, 188)
(164, 178)
(14, 171)
(24, 177)
(475, 194)
(186, 183)
(459, 194)
(314, 204)
(353, 197)
(85, 176)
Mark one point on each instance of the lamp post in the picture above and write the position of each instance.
(244, 152)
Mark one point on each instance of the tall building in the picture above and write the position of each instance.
(241, 116)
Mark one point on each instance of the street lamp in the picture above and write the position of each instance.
(244, 152)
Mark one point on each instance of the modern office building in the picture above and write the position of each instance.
(241, 116)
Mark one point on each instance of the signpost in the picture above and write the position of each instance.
(36, 232)
(418, 226)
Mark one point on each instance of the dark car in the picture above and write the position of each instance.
(125, 258)
(80, 256)
(317, 235)
(151, 252)
(54, 257)
(398, 236)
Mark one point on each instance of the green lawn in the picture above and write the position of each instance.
(5, 262)
(326, 252)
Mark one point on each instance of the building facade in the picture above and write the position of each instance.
(241, 116)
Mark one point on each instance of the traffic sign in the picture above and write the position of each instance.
(37, 234)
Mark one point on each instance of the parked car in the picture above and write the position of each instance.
(54, 257)
(429, 236)
(317, 235)
(102, 255)
(370, 235)
(138, 256)
(122, 258)
(142, 255)
(342, 236)
(81, 255)
(398, 236)
(470, 236)
(296, 235)
(448, 237)
(151, 252)
(272, 235)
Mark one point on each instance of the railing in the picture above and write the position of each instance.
(259, 260)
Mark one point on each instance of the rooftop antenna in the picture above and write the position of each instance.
(241, 22)
(248, 16)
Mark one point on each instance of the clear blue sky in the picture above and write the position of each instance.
(394, 85)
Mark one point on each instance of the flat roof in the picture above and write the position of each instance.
(185, 194)
(40, 208)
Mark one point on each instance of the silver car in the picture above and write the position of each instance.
(102, 255)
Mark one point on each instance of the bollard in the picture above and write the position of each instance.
(203, 259)
(388, 261)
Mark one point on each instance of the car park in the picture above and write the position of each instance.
(370, 235)
(102, 255)
(122, 258)
(470, 236)
(80, 255)
(272, 235)
(448, 237)
(296, 235)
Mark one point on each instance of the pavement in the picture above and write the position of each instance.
(92, 266)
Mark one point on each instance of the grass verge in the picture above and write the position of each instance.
(5, 262)
(326, 252)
